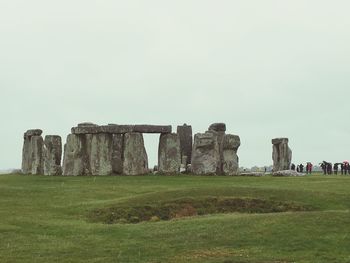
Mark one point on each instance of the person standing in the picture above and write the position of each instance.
(335, 168)
(324, 167)
(342, 168)
(292, 167)
(329, 168)
(308, 168)
(301, 167)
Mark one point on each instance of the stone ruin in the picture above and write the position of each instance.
(215, 152)
(119, 150)
(281, 154)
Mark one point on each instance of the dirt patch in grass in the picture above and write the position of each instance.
(188, 207)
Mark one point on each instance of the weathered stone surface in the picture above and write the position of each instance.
(87, 124)
(27, 156)
(281, 154)
(74, 157)
(100, 154)
(121, 129)
(52, 155)
(169, 156)
(287, 173)
(117, 153)
(185, 134)
(33, 132)
(205, 154)
(218, 127)
(279, 140)
(30, 151)
(135, 160)
(37, 157)
(230, 159)
(231, 142)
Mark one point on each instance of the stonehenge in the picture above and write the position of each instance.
(52, 155)
(215, 152)
(185, 135)
(169, 153)
(281, 154)
(113, 149)
(135, 161)
(32, 153)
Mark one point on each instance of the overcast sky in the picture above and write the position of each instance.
(267, 69)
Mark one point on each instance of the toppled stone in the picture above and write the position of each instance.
(73, 160)
(230, 159)
(257, 174)
(135, 157)
(281, 154)
(169, 156)
(37, 157)
(287, 173)
(185, 134)
(205, 154)
(52, 155)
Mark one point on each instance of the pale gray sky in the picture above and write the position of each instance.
(267, 69)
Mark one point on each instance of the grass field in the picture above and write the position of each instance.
(46, 219)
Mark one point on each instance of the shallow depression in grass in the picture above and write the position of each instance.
(186, 207)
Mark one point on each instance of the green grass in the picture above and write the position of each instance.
(45, 219)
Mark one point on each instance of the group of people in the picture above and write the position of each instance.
(327, 168)
(300, 168)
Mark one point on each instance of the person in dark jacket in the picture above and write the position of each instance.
(329, 168)
(346, 168)
(342, 168)
(301, 168)
(292, 167)
(335, 168)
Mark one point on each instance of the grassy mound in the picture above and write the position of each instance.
(186, 207)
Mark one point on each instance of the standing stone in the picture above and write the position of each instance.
(185, 134)
(52, 155)
(26, 156)
(100, 154)
(205, 154)
(27, 151)
(117, 153)
(281, 154)
(169, 156)
(135, 157)
(73, 160)
(230, 159)
(37, 157)
(219, 129)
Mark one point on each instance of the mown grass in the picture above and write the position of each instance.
(45, 219)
